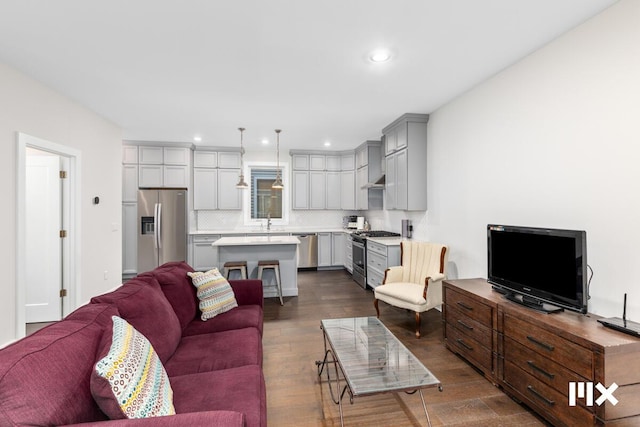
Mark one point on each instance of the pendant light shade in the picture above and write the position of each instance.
(241, 182)
(277, 184)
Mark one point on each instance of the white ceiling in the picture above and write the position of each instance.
(166, 70)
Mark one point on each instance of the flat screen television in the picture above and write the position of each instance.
(542, 268)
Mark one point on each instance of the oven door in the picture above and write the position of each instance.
(359, 262)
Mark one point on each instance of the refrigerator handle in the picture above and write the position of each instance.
(155, 226)
(159, 225)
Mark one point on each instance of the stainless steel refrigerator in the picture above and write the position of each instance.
(162, 227)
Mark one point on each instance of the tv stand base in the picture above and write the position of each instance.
(533, 303)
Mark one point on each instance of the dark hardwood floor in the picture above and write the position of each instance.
(293, 342)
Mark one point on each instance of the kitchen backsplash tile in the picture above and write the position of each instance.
(217, 220)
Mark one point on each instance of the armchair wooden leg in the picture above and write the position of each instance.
(375, 304)
(417, 325)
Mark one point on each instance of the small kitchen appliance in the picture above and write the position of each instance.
(360, 223)
(407, 229)
(350, 222)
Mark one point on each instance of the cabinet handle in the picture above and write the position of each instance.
(537, 394)
(540, 343)
(465, 306)
(542, 371)
(465, 345)
(465, 325)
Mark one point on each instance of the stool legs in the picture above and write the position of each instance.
(276, 273)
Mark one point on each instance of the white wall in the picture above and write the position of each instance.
(29, 107)
(552, 141)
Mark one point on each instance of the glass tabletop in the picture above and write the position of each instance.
(372, 359)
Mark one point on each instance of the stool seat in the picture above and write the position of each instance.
(240, 266)
(275, 266)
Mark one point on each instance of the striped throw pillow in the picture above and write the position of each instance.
(214, 292)
(130, 381)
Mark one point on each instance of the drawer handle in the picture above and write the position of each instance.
(465, 306)
(537, 394)
(542, 371)
(464, 344)
(465, 325)
(540, 343)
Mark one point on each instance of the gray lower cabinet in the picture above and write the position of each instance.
(338, 248)
(204, 256)
(379, 258)
(348, 253)
(324, 250)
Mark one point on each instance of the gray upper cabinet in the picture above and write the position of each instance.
(300, 162)
(406, 163)
(369, 169)
(163, 166)
(300, 193)
(215, 174)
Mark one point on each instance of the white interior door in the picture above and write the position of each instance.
(43, 219)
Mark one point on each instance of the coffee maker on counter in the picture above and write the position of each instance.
(407, 229)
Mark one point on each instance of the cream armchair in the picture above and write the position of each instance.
(416, 284)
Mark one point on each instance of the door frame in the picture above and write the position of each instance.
(72, 300)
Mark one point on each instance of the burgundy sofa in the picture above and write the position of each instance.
(214, 367)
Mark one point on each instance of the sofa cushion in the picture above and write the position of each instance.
(141, 302)
(129, 380)
(239, 389)
(177, 287)
(243, 316)
(211, 352)
(214, 292)
(45, 378)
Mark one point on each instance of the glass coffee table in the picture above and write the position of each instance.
(369, 360)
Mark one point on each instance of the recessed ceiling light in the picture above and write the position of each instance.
(327, 144)
(265, 141)
(380, 56)
(197, 138)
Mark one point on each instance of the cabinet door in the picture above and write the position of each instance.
(129, 238)
(300, 190)
(205, 189)
(338, 248)
(150, 155)
(317, 162)
(176, 156)
(362, 157)
(348, 253)
(333, 163)
(205, 159)
(175, 176)
(348, 190)
(129, 183)
(130, 154)
(150, 176)
(324, 249)
(390, 183)
(317, 190)
(205, 256)
(348, 162)
(333, 190)
(229, 160)
(390, 141)
(402, 136)
(229, 197)
(402, 189)
(300, 162)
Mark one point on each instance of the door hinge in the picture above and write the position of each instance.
(63, 293)
(63, 174)
(63, 234)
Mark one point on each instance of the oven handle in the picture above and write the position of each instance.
(358, 244)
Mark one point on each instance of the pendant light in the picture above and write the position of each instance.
(277, 184)
(241, 182)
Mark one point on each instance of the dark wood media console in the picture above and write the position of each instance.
(534, 356)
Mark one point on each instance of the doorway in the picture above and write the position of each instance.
(47, 241)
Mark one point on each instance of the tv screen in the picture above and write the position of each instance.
(541, 267)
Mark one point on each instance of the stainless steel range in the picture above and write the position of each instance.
(359, 248)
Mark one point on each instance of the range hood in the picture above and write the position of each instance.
(378, 183)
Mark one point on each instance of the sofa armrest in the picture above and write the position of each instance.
(206, 418)
(393, 274)
(248, 291)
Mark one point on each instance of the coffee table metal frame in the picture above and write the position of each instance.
(371, 360)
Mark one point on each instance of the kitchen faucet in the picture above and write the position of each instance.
(269, 222)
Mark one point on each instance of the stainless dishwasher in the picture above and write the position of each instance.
(307, 250)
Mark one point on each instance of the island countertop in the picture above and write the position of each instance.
(256, 241)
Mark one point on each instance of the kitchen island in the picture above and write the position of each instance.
(264, 248)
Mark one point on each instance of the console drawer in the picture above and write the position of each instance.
(546, 399)
(468, 326)
(469, 306)
(469, 348)
(562, 351)
(540, 367)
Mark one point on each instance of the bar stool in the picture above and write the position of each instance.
(240, 266)
(275, 266)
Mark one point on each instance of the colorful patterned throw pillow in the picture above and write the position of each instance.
(215, 293)
(130, 381)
